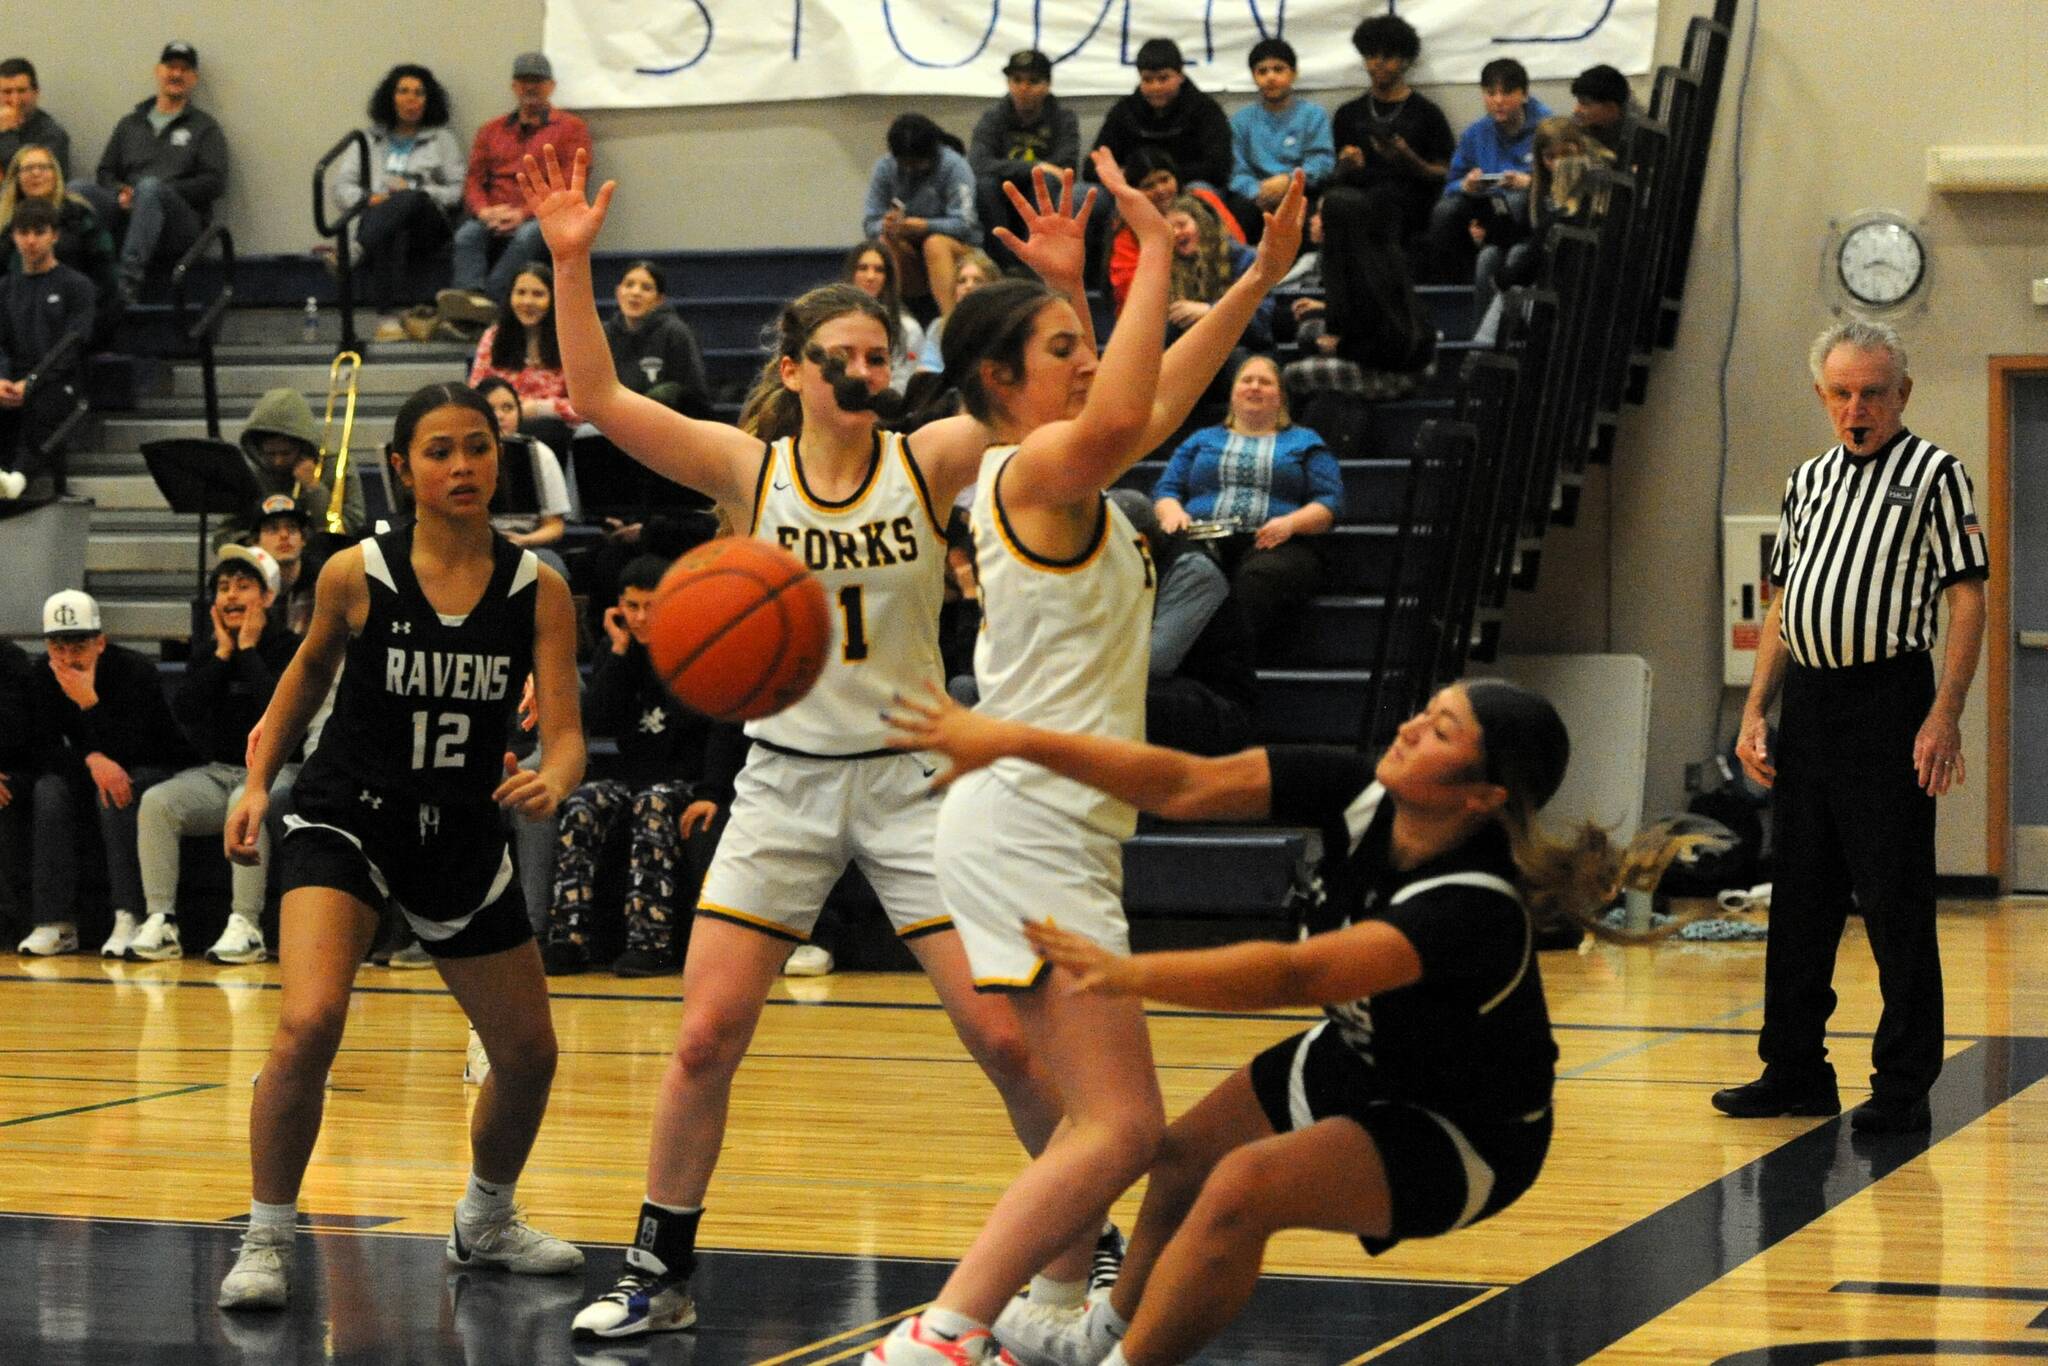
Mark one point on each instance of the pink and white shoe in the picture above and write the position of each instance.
(913, 1344)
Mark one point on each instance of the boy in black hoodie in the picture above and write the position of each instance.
(101, 734)
(1167, 111)
(673, 778)
(236, 662)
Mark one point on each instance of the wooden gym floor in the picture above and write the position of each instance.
(865, 1148)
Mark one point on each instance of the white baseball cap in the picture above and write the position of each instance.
(257, 556)
(70, 614)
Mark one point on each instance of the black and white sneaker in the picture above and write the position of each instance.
(1108, 1261)
(640, 1302)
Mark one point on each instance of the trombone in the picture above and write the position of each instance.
(342, 374)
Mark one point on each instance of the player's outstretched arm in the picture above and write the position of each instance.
(1362, 960)
(1165, 782)
(711, 457)
(535, 794)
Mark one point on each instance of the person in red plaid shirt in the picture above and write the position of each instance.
(496, 218)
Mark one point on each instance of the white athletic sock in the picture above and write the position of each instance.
(1058, 1294)
(1116, 1357)
(273, 1217)
(484, 1201)
(949, 1324)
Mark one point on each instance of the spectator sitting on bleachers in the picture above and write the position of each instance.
(1491, 171)
(1201, 683)
(1025, 132)
(41, 302)
(83, 243)
(236, 661)
(1370, 334)
(23, 120)
(281, 527)
(282, 443)
(871, 268)
(1276, 484)
(1154, 171)
(1169, 113)
(1565, 151)
(497, 211)
(653, 349)
(1280, 134)
(102, 734)
(960, 613)
(977, 268)
(541, 529)
(165, 166)
(1393, 142)
(521, 348)
(416, 178)
(920, 205)
(1605, 106)
(15, 780)
(1206, 262)
(655, 784)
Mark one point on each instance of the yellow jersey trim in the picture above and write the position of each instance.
(751, 922)
(867, 483)
(924, 493)
(1041, 563)
(931, 926)
(761, 487)
(1026, 983)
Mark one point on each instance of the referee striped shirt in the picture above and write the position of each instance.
(1865, 547)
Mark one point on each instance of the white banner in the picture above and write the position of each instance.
(637, 53)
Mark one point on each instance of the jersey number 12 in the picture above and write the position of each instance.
(453, 728)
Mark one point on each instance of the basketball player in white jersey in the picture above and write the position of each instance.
(863, 509)
(1067, 590)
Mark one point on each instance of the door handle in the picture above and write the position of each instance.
(2034, 640)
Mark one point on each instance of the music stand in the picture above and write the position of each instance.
(198, 475)
(614, 484)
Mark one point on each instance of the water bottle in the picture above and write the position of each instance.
(311, 332)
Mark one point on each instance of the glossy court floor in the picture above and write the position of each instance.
(865, 1148)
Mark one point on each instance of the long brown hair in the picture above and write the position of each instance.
(1576, 877)
(892, 288)
(1206, 275)
(772, 410)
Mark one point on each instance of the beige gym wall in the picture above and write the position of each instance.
(1844, 98)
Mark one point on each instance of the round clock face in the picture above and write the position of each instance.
(1881, 262)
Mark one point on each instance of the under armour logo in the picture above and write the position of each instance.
(654, 722)
(371, 800)
(401, 628)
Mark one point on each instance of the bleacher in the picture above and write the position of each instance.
(1448, 493)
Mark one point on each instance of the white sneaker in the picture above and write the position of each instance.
(12, 485)
(808, 960)
(47, 941)
(156, 941)
(1038, 1335)
(261, 1277)
(240, 942)
(476, 1064)
(912, 1344)
(123, 935)
(509, 1241)
(413, 955)
(639, 1302)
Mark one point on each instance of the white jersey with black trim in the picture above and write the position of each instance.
(881, 556)
(1065, 644)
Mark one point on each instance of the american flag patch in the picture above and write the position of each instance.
(1972, 527)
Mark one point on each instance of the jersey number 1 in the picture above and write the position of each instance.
(855, 648)
(454, 731)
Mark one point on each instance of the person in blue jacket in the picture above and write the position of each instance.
(1492, 168)
(921, 205)
(1280, 134)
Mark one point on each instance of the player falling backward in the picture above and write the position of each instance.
(402, 807)
(820, 787)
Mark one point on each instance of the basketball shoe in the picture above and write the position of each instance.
(261, 1275)
(47, 941)
(240, 942)
(1107, 1262)
(509, 1241)
(1039, 1335)
(640, 1301)
(156, 941)
(913, 1344)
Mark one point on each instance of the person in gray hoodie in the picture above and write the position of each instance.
(282, 443)
(165, 165)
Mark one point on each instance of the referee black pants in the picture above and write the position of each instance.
(1851, 819)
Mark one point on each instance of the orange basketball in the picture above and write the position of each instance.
(739, 629)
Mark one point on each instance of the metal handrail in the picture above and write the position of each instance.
(338, 229)
(207, 329)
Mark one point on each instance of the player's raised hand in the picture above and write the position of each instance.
(556, 199)
(938, 724)
(245, 827)
(1094, 968)
(1143, 219)
(1055, 241)
(525, 791)
(1282, 242)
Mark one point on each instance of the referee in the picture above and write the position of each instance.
(1875, 535)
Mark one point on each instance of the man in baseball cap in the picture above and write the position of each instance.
(282, 525)
(70, 614)
(1025, 133)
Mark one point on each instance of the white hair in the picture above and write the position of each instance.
(1862, 336)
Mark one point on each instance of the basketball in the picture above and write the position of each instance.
(739, 629)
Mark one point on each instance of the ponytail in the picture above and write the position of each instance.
(1578, 877)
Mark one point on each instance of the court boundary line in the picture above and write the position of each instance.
(112, 1104)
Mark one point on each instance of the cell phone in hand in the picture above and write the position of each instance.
(1493, 180)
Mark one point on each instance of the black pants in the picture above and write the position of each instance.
(1187, 714)
(1270, 585)
(1851, 819)
(404, 230)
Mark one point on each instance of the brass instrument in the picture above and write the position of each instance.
(350, 365)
